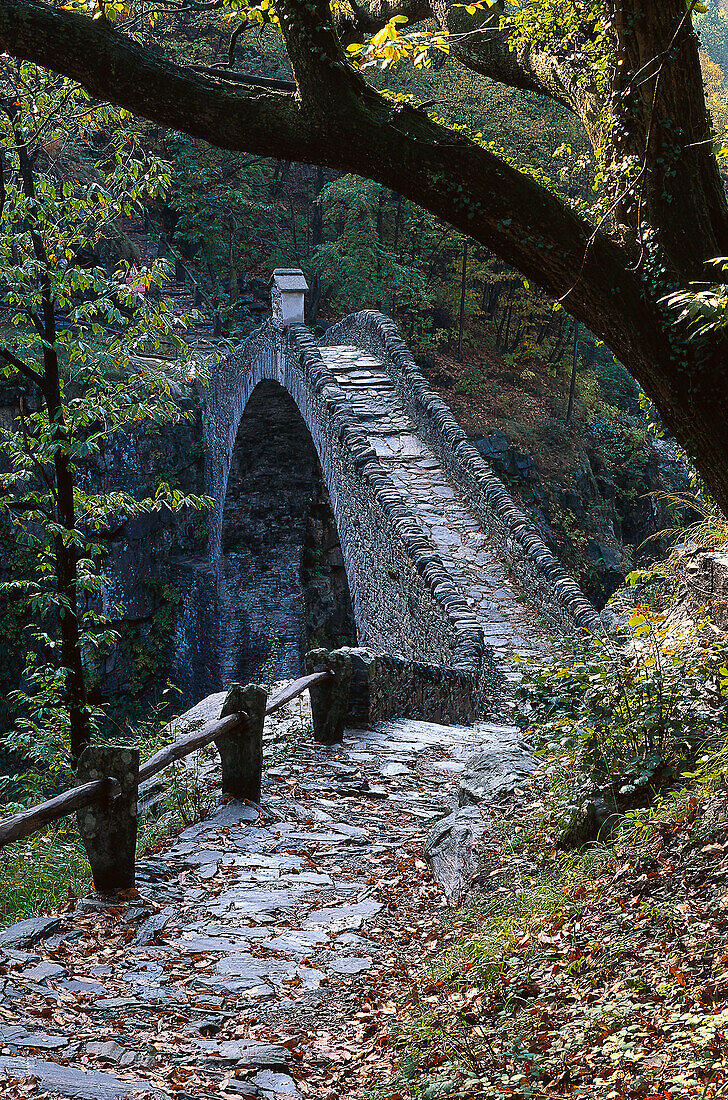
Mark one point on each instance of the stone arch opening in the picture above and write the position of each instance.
(283, 583)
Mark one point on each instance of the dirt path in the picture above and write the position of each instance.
(263, 952)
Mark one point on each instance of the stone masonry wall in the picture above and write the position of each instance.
(384, 686)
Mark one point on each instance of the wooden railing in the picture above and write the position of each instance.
(106, 802)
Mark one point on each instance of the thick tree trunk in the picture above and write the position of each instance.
(676, 214)
(692, 401)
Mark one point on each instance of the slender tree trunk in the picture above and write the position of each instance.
(509, 312)
(317, 236)
(67, 567)
(65, 551)
(294, 241)
(397, 222)
(463, 278)
(234, 286)
(572, 384)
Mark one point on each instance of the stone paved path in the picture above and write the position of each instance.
(466, 552)
(262, 949)
(263, 945)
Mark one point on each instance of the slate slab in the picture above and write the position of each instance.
(452, 848)
(276, 1086)
(36, 1040)
(108, 1051)
(43, 972)
(248, 968)
(26, 933)
(303, 942)
(247, 1053)
(341, 917)
(349, 964)
(74, 1083)
(95, 989)
(393, 768)
(257, 901)
(150, 930)
(194, 945)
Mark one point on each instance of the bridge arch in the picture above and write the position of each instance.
(283, 587)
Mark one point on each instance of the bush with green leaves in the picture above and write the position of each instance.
(84, 337)
(630, 712)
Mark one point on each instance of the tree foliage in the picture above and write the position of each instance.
(80, 341)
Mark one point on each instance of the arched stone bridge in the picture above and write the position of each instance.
(350, 509)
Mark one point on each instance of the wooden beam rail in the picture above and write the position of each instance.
(189, 744)
(102, 791)
(296, 688)
(31, 821)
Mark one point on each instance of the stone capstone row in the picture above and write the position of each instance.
(468, 647)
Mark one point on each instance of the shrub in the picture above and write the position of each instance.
(630, 713)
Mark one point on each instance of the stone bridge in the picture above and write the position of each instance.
(351, 510)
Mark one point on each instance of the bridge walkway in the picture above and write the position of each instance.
(509, 624)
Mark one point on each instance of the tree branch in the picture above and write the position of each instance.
(22, 368)
(233, 76)
(338, 120)
(478, 42)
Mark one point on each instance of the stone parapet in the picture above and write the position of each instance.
(384, 686)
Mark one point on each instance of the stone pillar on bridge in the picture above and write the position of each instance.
(288, 289)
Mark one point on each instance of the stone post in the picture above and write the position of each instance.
(330, 699)
(109, 829)
(241, 750)
(288, 290)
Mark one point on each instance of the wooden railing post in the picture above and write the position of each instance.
(109, 828)
(241, 749)
(330, 698)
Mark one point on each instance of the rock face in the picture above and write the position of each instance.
(153, 563)
(707, 577)
(454, 844)
(597, 520)
(496, 772)
(594, 819)
(451, 850)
